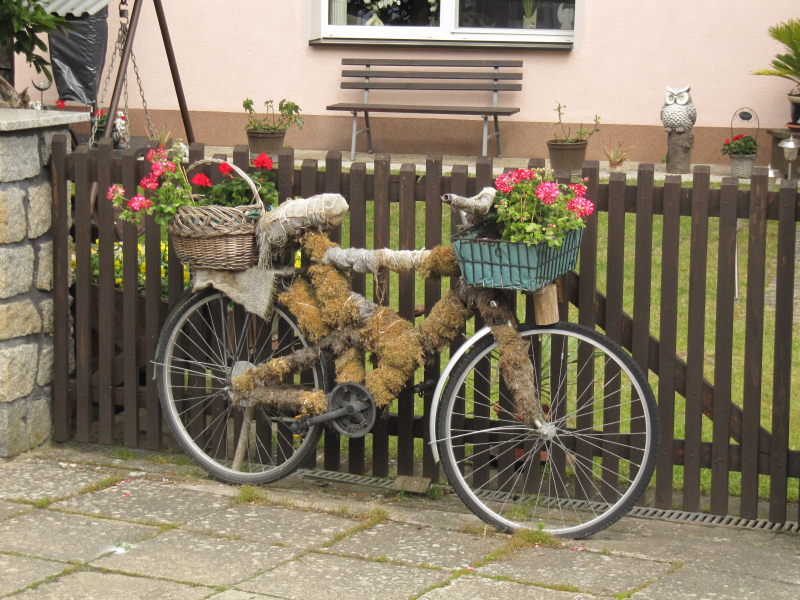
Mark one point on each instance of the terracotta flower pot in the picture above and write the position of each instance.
(567, 156)
(265, 141)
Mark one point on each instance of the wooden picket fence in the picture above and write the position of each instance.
(726, 442)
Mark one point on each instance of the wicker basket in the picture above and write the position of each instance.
(217, 237)
(487, 262)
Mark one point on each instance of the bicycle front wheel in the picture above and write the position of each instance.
(204, 341)
(590, 467)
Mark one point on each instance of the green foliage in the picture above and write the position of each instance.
(288, 114)
(234, 191)
(22, 21)
(786, 65)
(532, 208)
(563, 132)
(740, 145)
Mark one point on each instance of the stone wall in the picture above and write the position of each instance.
(26, 277)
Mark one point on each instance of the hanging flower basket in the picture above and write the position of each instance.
(489, 262)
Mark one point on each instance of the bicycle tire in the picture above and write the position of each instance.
(208, 329)
(595, 465)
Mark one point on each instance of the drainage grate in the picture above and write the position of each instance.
(338, 477)
(642, 512)
(706, 519)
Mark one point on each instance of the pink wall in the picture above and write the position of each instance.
(625, 53)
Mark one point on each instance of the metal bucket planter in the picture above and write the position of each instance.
(265, 142)
(742, 165)
(567, 156)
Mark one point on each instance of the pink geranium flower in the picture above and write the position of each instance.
(581, 206)
(138, 203)
(547, 192)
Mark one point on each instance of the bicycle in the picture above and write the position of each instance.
(572, 463)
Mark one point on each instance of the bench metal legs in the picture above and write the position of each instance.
(357, 131)
(487, 135)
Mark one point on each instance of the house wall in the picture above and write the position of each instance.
(625, 53)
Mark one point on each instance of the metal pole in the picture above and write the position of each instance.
(123, 67)
(173, 67)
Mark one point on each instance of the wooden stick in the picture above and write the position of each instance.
(545, 304)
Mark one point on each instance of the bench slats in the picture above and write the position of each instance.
(420, 108)
(408, 85)
(399, 62)
(433, 74)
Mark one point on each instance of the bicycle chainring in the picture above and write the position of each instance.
(360, 421)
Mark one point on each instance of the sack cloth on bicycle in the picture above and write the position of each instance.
(253, 288)
(294, 217)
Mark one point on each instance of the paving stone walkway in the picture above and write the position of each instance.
(77, 522)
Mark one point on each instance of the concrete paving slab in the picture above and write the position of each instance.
(726, 549)
(584, 571)
(52, 534)
(470, 587)
(90, 585)
(17, 572)
(9, 509)
(322, 577)
(145, 500)
(197, 558)
(702, 583)
(418, 545)
(32, 481)
(271, 525)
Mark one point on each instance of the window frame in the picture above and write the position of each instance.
(323, 33)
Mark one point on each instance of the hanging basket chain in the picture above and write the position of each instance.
(119, 47)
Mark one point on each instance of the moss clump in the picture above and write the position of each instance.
(446, 319)
(316, 245)
(385, 383)
(393, 339)
(302, 303)
(350, 366)
(441, 262)
(332, 290)
(313, 403)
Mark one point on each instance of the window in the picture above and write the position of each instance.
(447, 22)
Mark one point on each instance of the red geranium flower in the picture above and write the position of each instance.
(262, 161)
(225, 168)
(60, 103)
(202, 180)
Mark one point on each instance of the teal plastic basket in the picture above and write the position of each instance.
(493, 263)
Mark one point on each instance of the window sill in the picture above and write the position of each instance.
(332, 41)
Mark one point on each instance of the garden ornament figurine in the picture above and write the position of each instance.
(678, 113)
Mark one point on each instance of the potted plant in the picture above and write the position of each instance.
(265, 134)
(567, 150)
(529, 14)
(616, 155)
(742, 151)
(214, 228)
(787, 66)
(531, 236)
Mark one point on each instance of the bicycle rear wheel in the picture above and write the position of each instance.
(205, 337)
(578, 479)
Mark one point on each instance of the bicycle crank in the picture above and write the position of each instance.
(351, 410)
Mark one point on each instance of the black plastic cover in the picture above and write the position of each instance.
(78, 55)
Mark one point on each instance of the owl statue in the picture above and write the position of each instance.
(678, 113)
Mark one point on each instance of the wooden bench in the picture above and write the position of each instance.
(457, 75)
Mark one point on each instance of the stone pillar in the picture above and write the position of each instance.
(26, 275)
